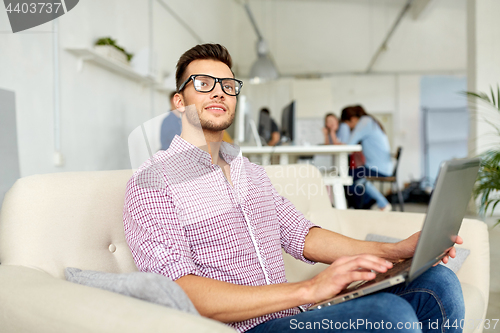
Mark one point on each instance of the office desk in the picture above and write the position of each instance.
(337, 179)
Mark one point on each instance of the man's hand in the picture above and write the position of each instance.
(406, 248)
(452, 252)
(343, 272)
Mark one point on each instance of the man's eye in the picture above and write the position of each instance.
(228, 87)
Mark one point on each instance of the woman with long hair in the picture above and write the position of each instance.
(368, 132)
(333, 131)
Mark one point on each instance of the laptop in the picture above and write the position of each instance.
(446, 210)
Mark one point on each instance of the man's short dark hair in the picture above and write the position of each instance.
(201, 52)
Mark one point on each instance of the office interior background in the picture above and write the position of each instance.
(74, 114)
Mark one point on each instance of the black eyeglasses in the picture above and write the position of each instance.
(206, 83)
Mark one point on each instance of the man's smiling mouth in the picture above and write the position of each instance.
(216, 108)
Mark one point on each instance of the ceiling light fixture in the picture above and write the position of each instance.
(263, 69)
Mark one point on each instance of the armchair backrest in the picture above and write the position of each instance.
(302, 184)
(53, 221)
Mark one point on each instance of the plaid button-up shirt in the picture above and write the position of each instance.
(182, 216)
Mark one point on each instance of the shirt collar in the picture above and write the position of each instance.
(228, 151)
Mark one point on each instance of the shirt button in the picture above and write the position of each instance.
(112, 248)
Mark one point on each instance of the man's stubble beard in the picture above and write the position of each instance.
(195, 119)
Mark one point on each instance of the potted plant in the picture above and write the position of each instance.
(107, 47)
(487, 187)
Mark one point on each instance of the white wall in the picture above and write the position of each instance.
(483, 71)
(408, 127)
(9, 170)
(99, 108)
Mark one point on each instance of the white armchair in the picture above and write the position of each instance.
(50, 222)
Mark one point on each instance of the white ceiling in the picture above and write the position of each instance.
(341, 36)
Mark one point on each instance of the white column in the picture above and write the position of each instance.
(483, 69)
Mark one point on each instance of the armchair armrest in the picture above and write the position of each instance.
(474, 274)
(34, 301)
(475, 270)
(356, 224)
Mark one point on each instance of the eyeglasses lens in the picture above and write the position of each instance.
(204, 83)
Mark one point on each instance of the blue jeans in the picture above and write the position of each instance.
(433, 299)
(364, 190)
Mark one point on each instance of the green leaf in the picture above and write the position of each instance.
(492, 125)
(493, 209)
(493, 97)
(481, 96)
(488, 181)
(498, 97)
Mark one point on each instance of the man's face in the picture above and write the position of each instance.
(215, 109)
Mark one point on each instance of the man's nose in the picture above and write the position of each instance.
(218, 92)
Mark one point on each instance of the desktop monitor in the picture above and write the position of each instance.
(288, 123)
(245, 129)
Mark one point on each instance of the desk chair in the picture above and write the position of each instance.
(393, 180)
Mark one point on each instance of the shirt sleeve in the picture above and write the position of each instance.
(153, 232)
(169, 129)
(361, 131)
(294, 227)
(343, 132)
(274, 127)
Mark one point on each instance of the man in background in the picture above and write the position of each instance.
(268, 128)
(171, 125)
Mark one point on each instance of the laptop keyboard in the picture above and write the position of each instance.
(396, 269)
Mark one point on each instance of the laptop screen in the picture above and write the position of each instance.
(446, 211)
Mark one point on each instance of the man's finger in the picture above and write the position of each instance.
(363, 262)
(358, 276)
(457, 239)
(453, 252)
(346, 259)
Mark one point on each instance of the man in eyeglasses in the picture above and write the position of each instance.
(204, 216)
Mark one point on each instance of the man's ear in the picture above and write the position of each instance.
(179, 102)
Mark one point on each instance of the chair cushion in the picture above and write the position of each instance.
(149, 287)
